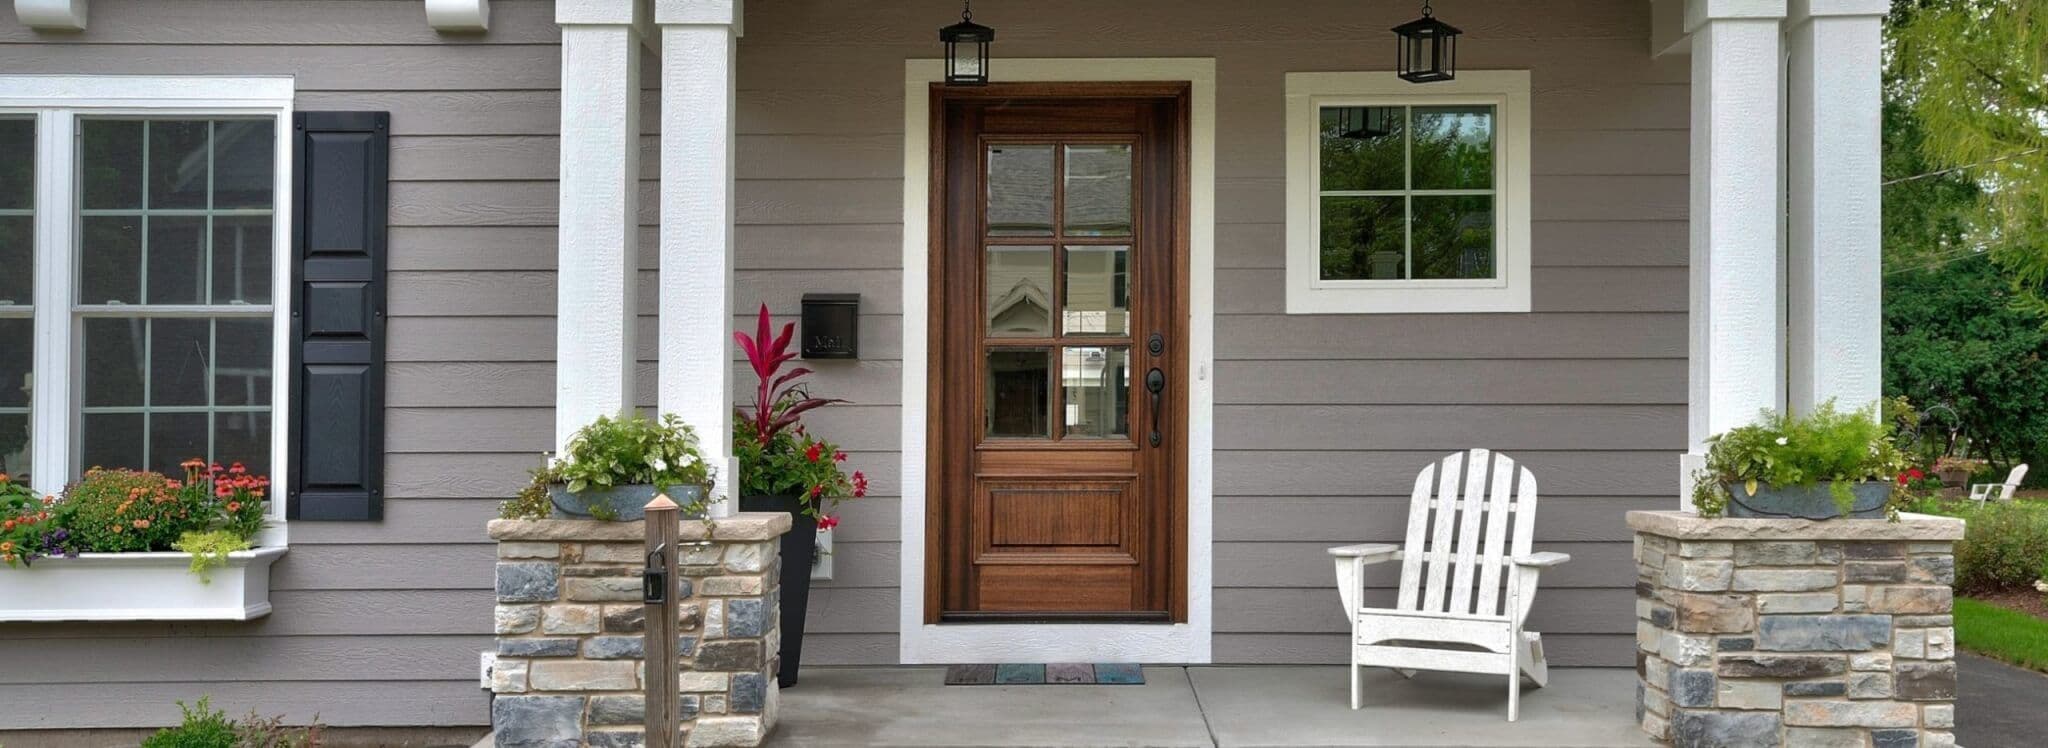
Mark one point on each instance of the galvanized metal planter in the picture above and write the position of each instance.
(1807, 502)
(625, 503)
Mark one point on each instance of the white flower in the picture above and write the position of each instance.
(1782, 441)
(659, 464)
(2041, 585)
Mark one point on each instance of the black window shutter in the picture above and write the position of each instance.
(340, 163)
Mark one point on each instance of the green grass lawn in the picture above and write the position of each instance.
(2001, 634)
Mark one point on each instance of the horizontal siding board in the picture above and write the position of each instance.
(232, 659)
(316, 67)
(413, 520)
(152, 701)
(388, 567)
(871, 566)
(1317, 611)
(1451, 336)
(304, 613)
(846, 611)
(1337, 470)
(1261, 565)
(1450, 427)
(326, 22)
(1574, 381)
(1564, 649)
(1358, 519)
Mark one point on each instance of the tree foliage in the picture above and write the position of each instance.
(1954, 337)
(1975, 74)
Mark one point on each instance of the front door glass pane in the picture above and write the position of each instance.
(1098, 182)
(1016, 397)
(1098, 391)
(1020, 190)
(1019, 291)
(1097, 291)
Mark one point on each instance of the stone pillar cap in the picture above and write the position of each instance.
(1689, 526)
(744, 527)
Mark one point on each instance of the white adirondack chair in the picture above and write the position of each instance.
(1467, 578)
(1982, 491)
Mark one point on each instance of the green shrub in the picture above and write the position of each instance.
(2004, 547)
(633, 449)
(1784, 450)
(204, 727)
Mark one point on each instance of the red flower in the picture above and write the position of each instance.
(1911, 474)
(838, 456)
(234, 506)
(827, 522)
(817, 490)
(860, 484)
(237, 469)
(223, 491)
(814, 452)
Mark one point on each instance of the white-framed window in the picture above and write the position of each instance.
(1407, 198)
(144, 273)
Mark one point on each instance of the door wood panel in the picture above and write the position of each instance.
(1056, 478)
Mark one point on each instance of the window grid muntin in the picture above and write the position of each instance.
(1408, 193)
(148, 312)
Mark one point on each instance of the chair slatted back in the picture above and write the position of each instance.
(1470, 513)
(2012, 482)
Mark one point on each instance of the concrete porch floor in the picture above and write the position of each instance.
(1208, 706)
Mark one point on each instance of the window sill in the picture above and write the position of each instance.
(138, 587)
(1509, 299)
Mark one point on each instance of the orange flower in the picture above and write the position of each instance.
(234, 506)
(3, 477)
(141, 524)
(8, 525)
(6, 546)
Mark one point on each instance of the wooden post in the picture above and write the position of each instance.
(663, 718)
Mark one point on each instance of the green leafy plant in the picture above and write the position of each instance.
(26, 530)
(210, 550)
(2004, 546)
(634, 450)
(777, 456)
(204, 727)
(1826, 446)
(532, 502)
(256, 731)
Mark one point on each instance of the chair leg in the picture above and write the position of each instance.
(1533, 663)
(1356, 685)
(1514, 676)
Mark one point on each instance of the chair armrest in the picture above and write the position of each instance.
(1371, 553)
(1541, 559)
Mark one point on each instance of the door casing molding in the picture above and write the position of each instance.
(1189, 642)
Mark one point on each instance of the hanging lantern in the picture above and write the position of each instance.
(1428, 49)
(967, 50)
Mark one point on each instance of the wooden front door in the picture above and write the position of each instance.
(1059, 275)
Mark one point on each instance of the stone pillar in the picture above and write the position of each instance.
(570, 626)
(1766, 632)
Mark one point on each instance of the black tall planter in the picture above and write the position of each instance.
(799, 549)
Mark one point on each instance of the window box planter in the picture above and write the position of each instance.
(138, 587)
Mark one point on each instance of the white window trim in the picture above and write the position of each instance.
(56, 102)
(1308, 293)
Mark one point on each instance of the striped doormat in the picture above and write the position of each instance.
(1055, 674)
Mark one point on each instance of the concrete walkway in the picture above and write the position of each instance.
(1208, 706)
(1998, 704)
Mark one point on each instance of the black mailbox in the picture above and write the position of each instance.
(831, 325)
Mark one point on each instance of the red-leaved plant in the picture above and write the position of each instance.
(777, 457)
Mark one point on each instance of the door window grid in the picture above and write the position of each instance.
(140, 420)
(17, 293)
(1065, 341)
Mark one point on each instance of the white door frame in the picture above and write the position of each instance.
(923, 643)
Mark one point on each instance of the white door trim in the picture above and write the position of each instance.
(923, 643)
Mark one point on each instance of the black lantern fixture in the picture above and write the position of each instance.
(967, 49)
(1429, 48)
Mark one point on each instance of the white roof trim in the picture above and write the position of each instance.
(74, 91)
(51, 15)
(459, 15)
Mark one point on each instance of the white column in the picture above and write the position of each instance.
(597, 262)
(1834, 268)
(1736, 349)
(697, 39)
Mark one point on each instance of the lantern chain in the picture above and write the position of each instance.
(967, 10)
(1427, 12)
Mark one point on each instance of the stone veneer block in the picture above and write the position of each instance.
(571, 632)
(1793, 632)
